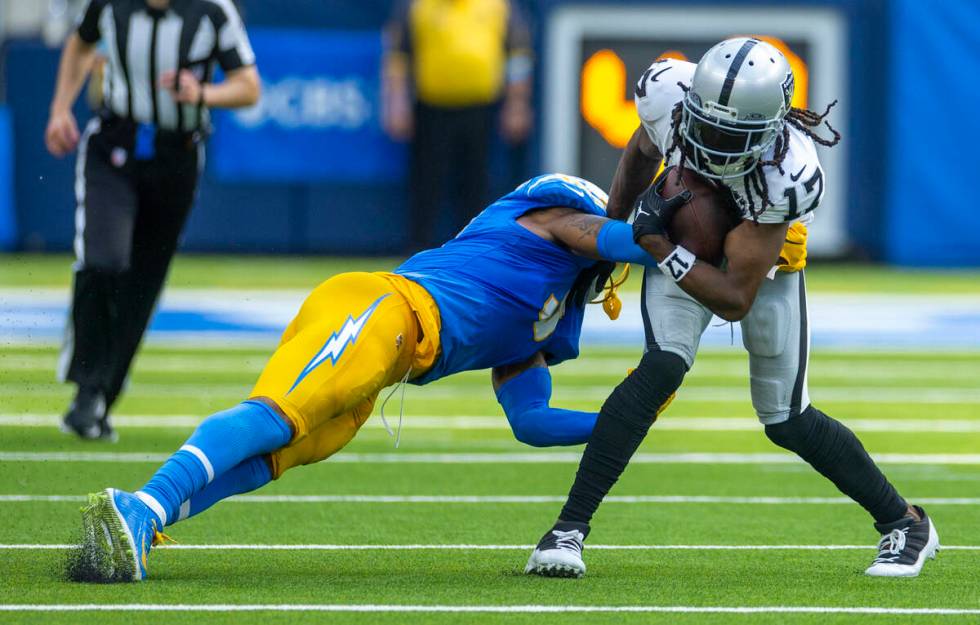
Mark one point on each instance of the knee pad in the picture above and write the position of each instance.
(766, 327)
(649, 389)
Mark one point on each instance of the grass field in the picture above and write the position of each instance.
(281, 272)
(712, 524)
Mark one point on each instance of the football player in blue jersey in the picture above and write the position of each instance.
(507, 293)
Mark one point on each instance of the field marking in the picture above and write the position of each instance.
(520, 499)
(163, 349)
(499, 609)
(585, 367)
(495, 422)
(503, 458)
(467, 547)
(927, 395)
(726, 394)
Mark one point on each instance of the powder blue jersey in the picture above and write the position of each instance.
(502, 291)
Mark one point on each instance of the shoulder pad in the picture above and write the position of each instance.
(657, 90)
(564, 190)
(656, 94)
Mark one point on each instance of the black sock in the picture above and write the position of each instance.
(622, 424)
(838, 455)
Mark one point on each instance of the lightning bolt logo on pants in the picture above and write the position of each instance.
(338, 342)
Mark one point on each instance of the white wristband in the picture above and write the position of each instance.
(677, 264)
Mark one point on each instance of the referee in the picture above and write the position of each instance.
(136, 176)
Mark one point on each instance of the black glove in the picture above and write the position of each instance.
(590, 282)
(653, 213)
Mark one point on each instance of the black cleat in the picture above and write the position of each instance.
(559, 552)
(904, 547)
(87, 416)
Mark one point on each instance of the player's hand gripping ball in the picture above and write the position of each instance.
(697, 214)
(653, 212)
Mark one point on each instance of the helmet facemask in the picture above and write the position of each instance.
(721, 146)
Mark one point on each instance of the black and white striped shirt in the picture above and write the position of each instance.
(142, 43)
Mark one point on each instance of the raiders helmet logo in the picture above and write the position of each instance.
(788, 86)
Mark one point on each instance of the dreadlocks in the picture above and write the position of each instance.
(804, 120)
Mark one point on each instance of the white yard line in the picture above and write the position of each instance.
(589, 365)
(918, 395)
(725, 394)
(886, 368)
(520, 499)
(504, 458)
(31, 420)
(467, 547)
(499, 422)
(496, 609)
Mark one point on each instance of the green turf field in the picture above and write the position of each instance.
(712, 516)
(263, 272)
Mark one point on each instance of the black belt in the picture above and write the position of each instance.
(126, 131)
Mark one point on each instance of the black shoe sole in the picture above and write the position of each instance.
(554, 570)
(93, 432)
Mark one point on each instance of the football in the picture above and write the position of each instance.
(701, 224)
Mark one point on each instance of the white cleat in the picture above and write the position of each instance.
(904, 547)
(559, 552)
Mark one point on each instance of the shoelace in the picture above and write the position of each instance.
(401, 408)
(891, 545)
(570, 540)
(159, 538)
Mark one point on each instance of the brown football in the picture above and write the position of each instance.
(701, 224)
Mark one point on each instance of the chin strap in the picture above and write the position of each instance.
(609, 297)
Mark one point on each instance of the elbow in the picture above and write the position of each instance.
(254, 92)
(735, 310)
(250, 87)
(732, 315)
(526, 433)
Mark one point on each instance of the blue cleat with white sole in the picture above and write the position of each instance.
(119, 532)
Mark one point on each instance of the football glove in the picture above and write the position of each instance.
(653, 212)
(590, 283)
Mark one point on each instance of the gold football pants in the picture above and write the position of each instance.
(354, 335)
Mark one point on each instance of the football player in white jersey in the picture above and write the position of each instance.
(730, 119)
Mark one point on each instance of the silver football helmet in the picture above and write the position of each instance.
(736, 107)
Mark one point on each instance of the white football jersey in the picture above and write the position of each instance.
(794, 194)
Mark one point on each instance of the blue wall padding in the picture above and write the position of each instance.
(932, 213)
(911, 129)
(8, 220)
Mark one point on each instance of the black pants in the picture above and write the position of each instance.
(127, 222)
(450, 152)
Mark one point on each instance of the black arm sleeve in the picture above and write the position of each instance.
(88, 21)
